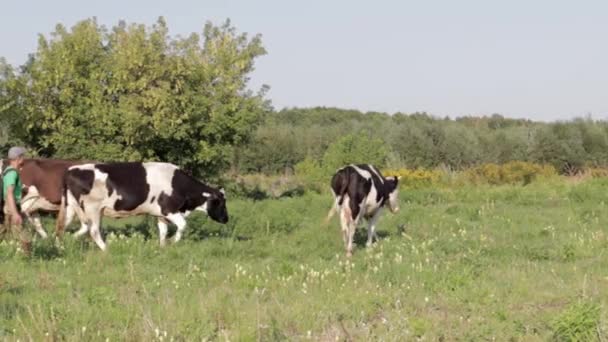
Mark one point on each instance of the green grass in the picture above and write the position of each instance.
(474, 263)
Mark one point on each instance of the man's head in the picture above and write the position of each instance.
(16, 156)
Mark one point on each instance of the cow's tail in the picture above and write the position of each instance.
(61, 216)
(331, 214)
(338, 198)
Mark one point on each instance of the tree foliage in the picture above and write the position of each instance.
(355, 149)
(349, 149)
(134, 93)
(419, 140)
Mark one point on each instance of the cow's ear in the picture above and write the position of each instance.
(223, 191)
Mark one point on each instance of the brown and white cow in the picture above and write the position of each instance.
(42, 188)
(127, 189)
(360, 191)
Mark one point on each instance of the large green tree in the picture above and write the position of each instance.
(135, 93)
(9, 124)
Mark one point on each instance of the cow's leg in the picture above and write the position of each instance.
(34, 219)
(180, 222)
(371, 229)
(28, 207)
(356, 206)
(69, 215)
(73, 209)
(84, 227)
(349, 225)
(344, 219)
(162, 232)
(352, 227)
(83, 230)
(66, 213)
(94, 216)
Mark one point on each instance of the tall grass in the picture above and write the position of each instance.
(480, 262)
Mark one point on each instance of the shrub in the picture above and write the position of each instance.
(311, 173)
(591, 191)
(486, 173)
(509, 173)
(596, 172)
(355, 149)
(415, 177)
(579, 322)
(350, 149)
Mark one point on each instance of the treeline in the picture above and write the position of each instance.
(292, 136)
(132, 92)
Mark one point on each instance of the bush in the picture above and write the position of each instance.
(311, 173)
(596, 172)
(349, 149)
(415, 177)
(355, 149)
(259, 186)
(591, 191)
(579, 322)
(509, 173)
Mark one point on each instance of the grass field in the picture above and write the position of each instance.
(521, 263)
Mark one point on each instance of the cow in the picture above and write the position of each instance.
(42, 188)
(360, 191)
(120, 190)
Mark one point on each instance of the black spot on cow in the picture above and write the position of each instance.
(129, 181)
(169, 204)
(347, 181)
(152, 199)
(378, 180)
(390, 185)
(80, 182)
(187, 195)
(24, 191)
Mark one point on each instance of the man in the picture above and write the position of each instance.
(12, 188)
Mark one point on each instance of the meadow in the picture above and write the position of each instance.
(471, 262)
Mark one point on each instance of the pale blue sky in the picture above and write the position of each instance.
(536, 59)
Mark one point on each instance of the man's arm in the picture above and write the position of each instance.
(12, 205)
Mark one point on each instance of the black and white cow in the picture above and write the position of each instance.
(127, 189)
(360, 191)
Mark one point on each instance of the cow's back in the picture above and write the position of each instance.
(46, 175)
(349, 180)
(121, 187)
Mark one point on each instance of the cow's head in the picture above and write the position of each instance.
(215, 205)
(392, 186)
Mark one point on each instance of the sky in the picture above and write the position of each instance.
(536, 59)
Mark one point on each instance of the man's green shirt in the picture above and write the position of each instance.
(11, 177)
